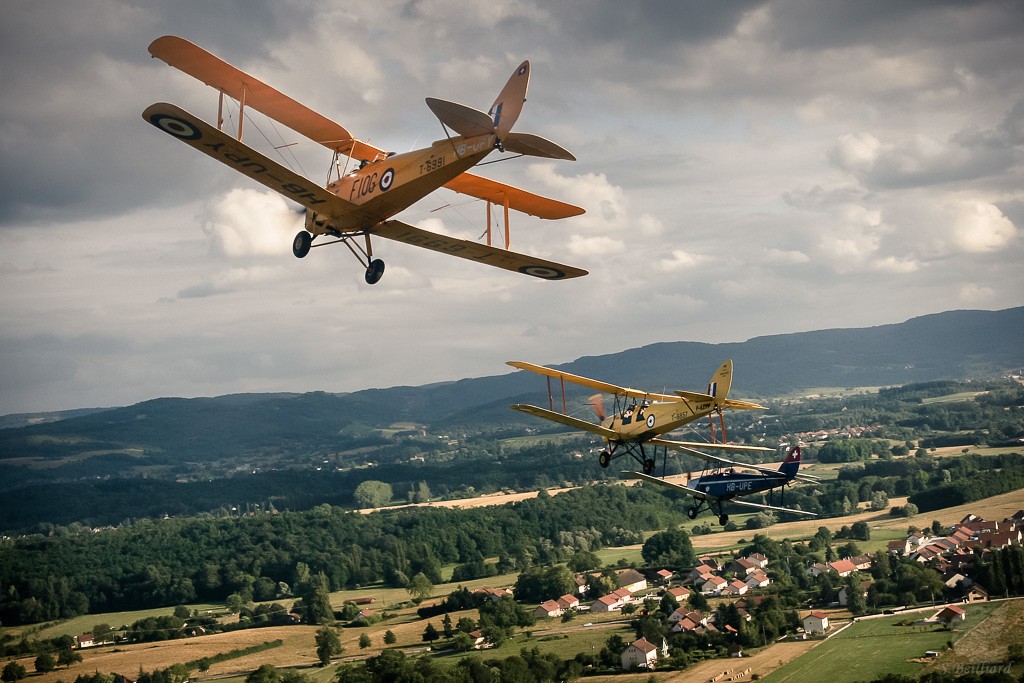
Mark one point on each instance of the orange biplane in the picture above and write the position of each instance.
(361, 202)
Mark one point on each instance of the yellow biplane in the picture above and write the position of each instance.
(640, 420)
(360, 202)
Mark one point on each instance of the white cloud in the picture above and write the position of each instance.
(846, 163)
(979, 226)
(248, 222)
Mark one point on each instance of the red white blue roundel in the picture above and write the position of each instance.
(387, 178)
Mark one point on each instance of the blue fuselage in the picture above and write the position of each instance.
(728, 485)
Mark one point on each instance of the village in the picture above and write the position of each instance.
(954, 554)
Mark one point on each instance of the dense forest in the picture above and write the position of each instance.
(152, 563)
(98, 486)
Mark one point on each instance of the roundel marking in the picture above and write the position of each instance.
(177, 127)
(543, 272)
(650, 422)
(386, 179)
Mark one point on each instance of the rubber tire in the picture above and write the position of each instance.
(691, 512)
(604, 459)
(374, 272)
(723, 520)
(649, 466)
(301, 244)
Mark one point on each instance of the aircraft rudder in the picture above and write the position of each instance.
(721, 383)
(509, 103)
(791, 464)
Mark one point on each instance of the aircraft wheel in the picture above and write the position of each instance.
(691, 512)
(723, 520)
(649, 466)
(604, 459)
(301, 244)
(375, 272)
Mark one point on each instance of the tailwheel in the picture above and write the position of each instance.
(691, 512)
(649, 466)
(374, 272)
(604, 459)
(723, 519)
(301, 244)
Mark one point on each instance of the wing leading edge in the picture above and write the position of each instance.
(597, 385)
(700, 495)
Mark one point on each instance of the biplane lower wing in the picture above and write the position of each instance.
(700, 495)
(224, 148)
(474, 251)
(776, 508)
(566, 420)
(689, 448)
(678, 445)
(597, 385)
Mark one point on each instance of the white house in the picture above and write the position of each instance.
(815, 622)
(548, 608)
(632, 580)
(713, 585)
(606, 603)
(568, 602)
(758, 579)
(640, 654)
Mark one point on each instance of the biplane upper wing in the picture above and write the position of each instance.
(591, 383)
(474, 251)
(226, 149)
(567, 420)
(215, 72)
(689, 448)
(700, 495)
(518, 200)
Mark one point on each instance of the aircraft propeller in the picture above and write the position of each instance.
(597, 403)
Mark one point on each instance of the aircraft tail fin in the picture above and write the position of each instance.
(791, 464)
(721, 382)
(509, 103)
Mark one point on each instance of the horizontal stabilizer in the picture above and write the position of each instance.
(474, 251)
(694, 396)
(737, 404)
(534, 146)
(464, 120)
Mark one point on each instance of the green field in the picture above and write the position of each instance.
(869, 649)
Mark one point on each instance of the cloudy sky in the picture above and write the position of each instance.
(748, 168)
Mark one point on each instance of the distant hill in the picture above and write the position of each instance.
(951, 345)
(183, 456)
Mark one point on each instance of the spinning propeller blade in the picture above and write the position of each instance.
(597, 403)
